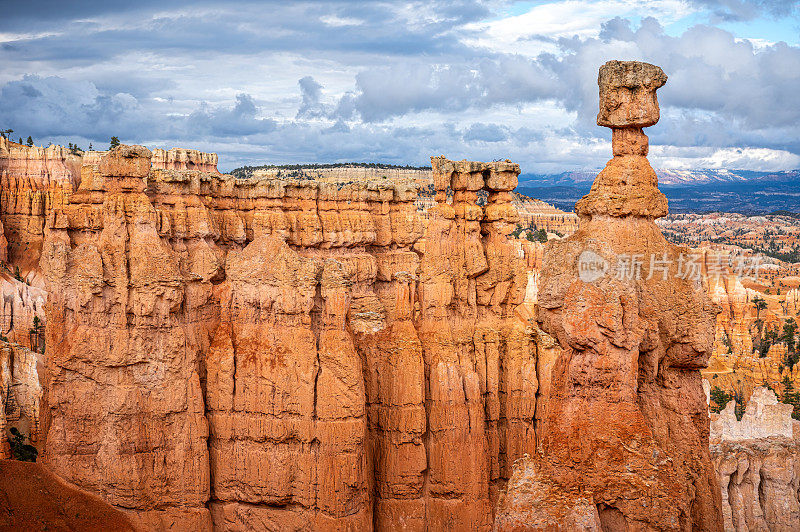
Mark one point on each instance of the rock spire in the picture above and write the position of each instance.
(623, 444)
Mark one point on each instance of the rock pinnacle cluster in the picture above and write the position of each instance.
(271, 353)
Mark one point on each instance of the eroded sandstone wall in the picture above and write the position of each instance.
(265, 353)
(20, 395)
(757, 460)
(32, 181)
(760, 482)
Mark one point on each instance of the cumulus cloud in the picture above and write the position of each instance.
(311, 106)
(709, 69)
(55, 107)
(419, 86)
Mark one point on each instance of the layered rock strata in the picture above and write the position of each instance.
(623, 444)
(536, 213)
(32, 181)
(263, 353)
(184, 159)
(760, 482)
(757, 460)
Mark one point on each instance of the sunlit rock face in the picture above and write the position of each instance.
(264, 353)
(757, 460)
(32, 181)
(764, 417)
(624, 441)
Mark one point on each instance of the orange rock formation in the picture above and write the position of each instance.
(285, 353)
(624, 442)
(20, 394)
(268, 353)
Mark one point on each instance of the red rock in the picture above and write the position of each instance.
(286, 352)
(623, 443)
(32, 498)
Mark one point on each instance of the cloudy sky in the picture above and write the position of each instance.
(336, 81)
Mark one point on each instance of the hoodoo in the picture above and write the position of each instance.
(264, 353)
(624, 443)
(277, 353)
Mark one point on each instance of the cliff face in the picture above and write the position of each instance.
(32, 181)
(20, 394)
(126, 415)
(35, 180)
(623, 444)
(757, 460)
(302, 344)
(183, 159)
(760, 479)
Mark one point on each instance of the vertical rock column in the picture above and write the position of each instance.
(471, 278)
(381, 318)
(285, 389)
(457, 480)
(503, 341)
(623, 444)
(125, 413)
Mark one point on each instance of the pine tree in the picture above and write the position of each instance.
(719, 398)
(21, 450)
(790, 396)
(789, 330)
(114, 143)
(29, 142)
(759, 304)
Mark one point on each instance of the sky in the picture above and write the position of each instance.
(397, 82)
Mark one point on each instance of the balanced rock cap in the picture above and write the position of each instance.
(628, 94)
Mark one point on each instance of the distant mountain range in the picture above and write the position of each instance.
(668, 177)
(744, 191)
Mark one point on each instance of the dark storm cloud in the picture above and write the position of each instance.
(56, 107)
(237, 28)
(52, 106)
